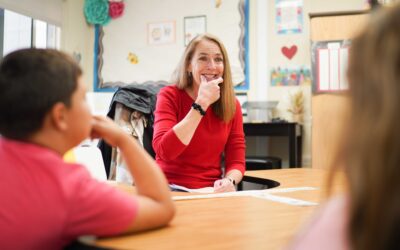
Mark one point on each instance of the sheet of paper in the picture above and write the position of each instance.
(286, 200)
(263, 194)
(205, 190)
(323, 69)
(343, 60)
(333, 69)
(288, 190)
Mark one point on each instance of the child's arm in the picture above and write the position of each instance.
(156, 208)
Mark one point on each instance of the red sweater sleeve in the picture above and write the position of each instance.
(235, 147)
(165, 142)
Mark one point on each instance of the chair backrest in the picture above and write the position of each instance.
(135, 98)
(91, 158)
(263, 162)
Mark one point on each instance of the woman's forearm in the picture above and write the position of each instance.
(185, 129)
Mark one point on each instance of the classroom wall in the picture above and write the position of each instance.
(272, 51)
(77, 37)
(132, 34)
(265, 45)
(46, 10)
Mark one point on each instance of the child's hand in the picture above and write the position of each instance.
(104, 127)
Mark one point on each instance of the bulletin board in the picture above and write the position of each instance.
(147, 42)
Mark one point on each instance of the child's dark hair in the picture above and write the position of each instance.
(31, 82)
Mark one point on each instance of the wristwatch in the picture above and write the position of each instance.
(199, 108)
(231, 180)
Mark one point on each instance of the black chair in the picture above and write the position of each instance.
(262, 163)
(80, 245)
(134, 97)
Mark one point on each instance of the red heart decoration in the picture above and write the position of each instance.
(289, 52)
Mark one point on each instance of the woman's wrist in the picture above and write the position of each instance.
(231, 180)
(202, 104)
(197, 107)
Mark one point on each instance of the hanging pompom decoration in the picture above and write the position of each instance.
(96, 12)
(116, 9)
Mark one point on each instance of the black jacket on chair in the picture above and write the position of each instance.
(139, 97)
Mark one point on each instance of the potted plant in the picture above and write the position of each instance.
(297, 106)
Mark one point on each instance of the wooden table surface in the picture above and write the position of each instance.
(233, 222)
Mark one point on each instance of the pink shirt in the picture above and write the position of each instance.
(198, 164)
(327, 229)
(46, 203)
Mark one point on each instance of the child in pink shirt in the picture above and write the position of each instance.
(45, 202)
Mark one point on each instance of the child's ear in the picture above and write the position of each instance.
(58, 115)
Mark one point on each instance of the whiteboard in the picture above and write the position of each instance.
(128, 37)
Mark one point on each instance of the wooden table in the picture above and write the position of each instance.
(304, 177)
(234, 222)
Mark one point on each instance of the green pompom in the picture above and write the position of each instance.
(96, 12)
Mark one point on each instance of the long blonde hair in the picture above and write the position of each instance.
(225, 107)
(371, 148)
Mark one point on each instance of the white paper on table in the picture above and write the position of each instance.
(262, 194)
(286, 200)
(205, 190)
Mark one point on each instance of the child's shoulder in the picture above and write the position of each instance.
(40, 160)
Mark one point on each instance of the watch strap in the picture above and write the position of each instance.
(199, 108)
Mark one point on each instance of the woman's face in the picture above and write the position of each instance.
(207, 61)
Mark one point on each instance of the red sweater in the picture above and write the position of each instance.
(198, 164)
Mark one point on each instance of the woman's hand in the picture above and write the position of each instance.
(224, 185)
(209, 92)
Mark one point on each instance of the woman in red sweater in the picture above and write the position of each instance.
(198, 120)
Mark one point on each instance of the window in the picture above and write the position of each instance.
(18, 31)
